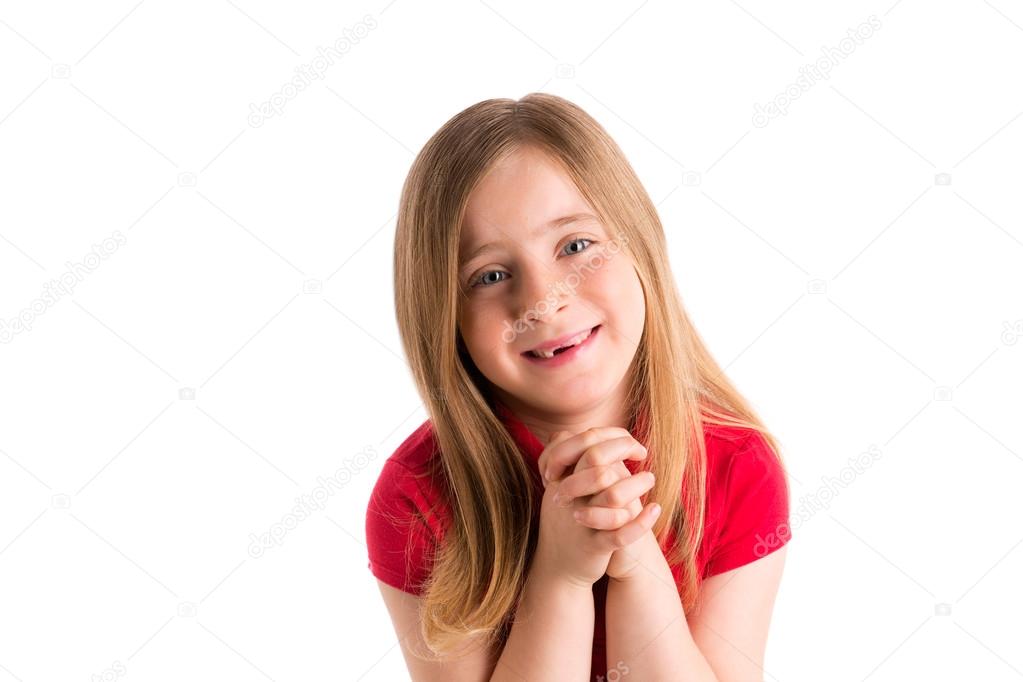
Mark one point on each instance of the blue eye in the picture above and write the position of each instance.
(478, 282)
(481, 282)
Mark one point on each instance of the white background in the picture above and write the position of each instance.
(855, 264)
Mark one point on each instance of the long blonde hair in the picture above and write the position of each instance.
(480, 567)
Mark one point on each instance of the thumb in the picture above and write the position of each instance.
(555, 438)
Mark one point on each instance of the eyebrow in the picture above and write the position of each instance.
(552, 225)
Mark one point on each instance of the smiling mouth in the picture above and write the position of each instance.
(546, 355)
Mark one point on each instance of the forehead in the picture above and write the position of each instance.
(521, 193)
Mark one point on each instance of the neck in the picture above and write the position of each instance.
(544, 422)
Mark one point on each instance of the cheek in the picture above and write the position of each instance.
(482, 331)
(616, 284)
(620, 294)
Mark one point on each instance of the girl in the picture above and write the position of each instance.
(564, 384)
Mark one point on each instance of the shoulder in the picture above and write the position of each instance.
(405, 515)
(747, 505)
(407, 474)
(418, 448)
(735, 449)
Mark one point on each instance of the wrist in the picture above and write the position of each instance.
(648, 559)
(544, 577)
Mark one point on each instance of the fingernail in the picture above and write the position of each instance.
(657, 510)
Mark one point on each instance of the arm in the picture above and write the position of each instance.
(645, 625)
(472, 666)
(723, 641)
(551, 637)
(733, 614)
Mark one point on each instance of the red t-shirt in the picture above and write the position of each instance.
(746, 517)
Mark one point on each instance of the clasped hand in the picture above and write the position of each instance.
(591, 513)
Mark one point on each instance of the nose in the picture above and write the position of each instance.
(541, 294)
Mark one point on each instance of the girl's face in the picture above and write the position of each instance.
(531, 278)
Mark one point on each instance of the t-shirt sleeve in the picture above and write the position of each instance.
(756, 508)
(399, 542)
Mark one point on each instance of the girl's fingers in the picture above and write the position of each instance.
(566, 451)
(590, 482)
(616, 506)
(631, 531)
(623, 492)
(542, 462)
(602, 518)
(612, 450)
(611, 486)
